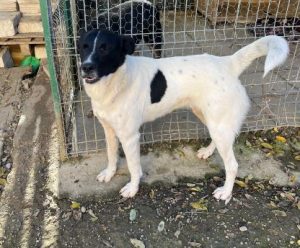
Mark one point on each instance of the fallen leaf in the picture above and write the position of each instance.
(223, 211)
(275, 129)
(266, 145)
(241, 183)
(280, 139)
(181, 153)
(295, 144)
(248, 143)
(261, 186)
(249, 197)
(279, 153)
(132, 214)
(200, 205)
(279, 213)
(297, 157)
(194, 244)
(137, 243)
(298, 205)
(91, 213)
(272, 205)
(36, 212)
(177, 233)
(3, 181)
(161, 226)
(75, 205)
(288, 195)
(94, 219)
(292, 179)
(196, 189)
(298, 242)
(2, 171)
(151, 194)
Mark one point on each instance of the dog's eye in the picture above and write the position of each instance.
(103, 47)
(85, 46)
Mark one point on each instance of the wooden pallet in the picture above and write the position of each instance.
(246, 11)
(26, 39)
(21, 45)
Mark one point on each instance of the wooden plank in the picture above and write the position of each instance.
(40, 52)
(21, 41)
(30, 24)
(26, 49)
(25, 35)
(31, 38)
(242, 11)
(8, 23)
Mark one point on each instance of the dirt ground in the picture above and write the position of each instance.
(185, 215)
(165, 218)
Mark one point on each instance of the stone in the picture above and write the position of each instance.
(243, 228)
(9, 22)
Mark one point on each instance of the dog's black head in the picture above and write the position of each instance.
(102, 53)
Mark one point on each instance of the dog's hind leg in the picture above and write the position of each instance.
(112, 144)
(224, 137)
(204, 152)
(131, 147)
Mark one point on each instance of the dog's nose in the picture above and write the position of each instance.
(87, 67)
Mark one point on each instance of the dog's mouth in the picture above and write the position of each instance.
(90, 79)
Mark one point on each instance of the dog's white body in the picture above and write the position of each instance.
(208, 85)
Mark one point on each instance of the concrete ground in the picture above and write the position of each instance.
(77, 178)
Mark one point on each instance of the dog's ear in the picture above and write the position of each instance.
(82, 34)
(128, 44)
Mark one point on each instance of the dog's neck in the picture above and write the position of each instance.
(108, 87)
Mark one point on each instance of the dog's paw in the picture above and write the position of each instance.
(222, 193)
(105, 175)
(205, 152)
(129, 190)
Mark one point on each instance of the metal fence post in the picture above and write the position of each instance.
(46, 13)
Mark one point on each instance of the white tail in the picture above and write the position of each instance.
(276, 48)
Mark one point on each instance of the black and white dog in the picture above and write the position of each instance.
(138, 18)
(127, 91)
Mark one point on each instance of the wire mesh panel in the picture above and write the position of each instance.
(164, 28)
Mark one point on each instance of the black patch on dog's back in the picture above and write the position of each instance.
(158, 87)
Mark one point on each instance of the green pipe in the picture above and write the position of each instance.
(46, 13)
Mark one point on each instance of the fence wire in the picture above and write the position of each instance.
(187, 27)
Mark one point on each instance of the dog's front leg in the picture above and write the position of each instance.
(112, 153)
(131, 147)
